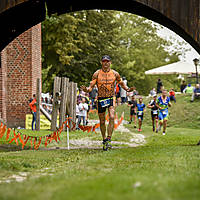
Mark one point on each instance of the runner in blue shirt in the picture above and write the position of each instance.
(140, 113)
(162, 103)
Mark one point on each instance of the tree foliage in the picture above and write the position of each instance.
(74, 43)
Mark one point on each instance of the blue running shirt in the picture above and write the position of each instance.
(140, 108)
(163, 105)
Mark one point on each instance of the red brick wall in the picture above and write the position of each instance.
(23, 66)
(36, 55)
(3, 83)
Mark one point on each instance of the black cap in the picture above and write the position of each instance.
(106, 57)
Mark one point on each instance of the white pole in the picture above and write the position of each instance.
(67, 134)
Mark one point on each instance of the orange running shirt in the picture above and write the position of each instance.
(105, 82)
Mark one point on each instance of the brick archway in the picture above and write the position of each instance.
(21, 59)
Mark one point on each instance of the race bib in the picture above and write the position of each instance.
(155, 112)
(164, 112)
(140, 112)
(104, 102)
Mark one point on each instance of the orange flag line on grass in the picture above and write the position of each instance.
(23, 139)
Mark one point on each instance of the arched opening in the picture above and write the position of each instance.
(35, 12)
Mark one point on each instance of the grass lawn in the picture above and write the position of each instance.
(166, 167)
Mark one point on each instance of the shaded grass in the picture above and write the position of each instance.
(166, 168)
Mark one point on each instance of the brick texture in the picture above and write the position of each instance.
(21, 66)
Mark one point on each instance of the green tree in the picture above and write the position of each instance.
(74, 43)
(141, 49)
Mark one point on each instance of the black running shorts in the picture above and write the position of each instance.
(103, 109)
(154, 116)
(132, 112)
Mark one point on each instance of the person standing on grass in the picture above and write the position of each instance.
(105, 79)
(154, 112)
(133, 104)
(123, 92)
(172, 95)
(117, 93)
(83, 107)
(196, 93)
(159, 86)
(77, 114)
(140, 113)
(33, 108)
(163, 102)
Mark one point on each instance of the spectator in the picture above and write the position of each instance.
(87, 101)
(159, 86)
(196, 93)
(153, 92)
(172, 95)
(117, 92)
(33, 111)
(77, 113)
(189, 89)
(183, 86)
(83, 107)
(93, 95)
(135, 92)
(123, 92)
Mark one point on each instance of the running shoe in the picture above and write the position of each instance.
(139, 130)
(198, 143)
(163, 133)
(129, 122)
(108, 144)
(157, 130)
(105, 145)
(135, 126)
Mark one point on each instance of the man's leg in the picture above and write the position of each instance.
(131, 118)
(139, 123)
(32, 121)
(192, 98)
(79, 120)
(102, 124)
(160, 118)
(111, 112)
(164, 126)
(153, 124)
(156, 124)
(84, 121)
(174, 99)
(135, 120)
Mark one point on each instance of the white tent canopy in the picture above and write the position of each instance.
(174, 68)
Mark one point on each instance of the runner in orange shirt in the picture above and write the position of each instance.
(105, 79)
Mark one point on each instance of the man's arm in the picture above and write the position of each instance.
(118, 79)
(158, 106)
(149, 106)
(92, 83)
(129, 104)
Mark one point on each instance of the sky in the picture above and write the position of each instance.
(189, 55)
